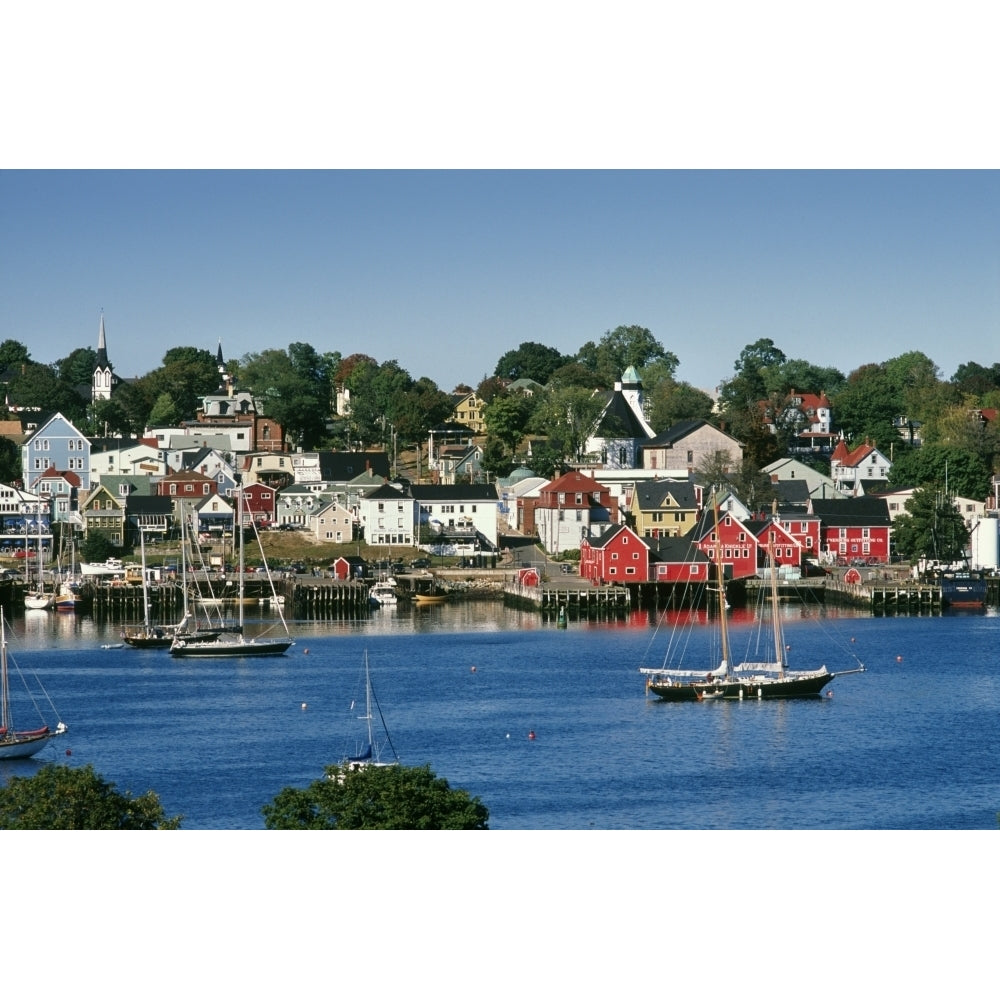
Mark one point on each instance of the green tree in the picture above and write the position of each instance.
(566, 416)
(957, 471)
(59, 797)
(10, 461)
(295, 388)
(671, 402)
(96, 547)
(867, 405)
(506, 420)
(622, 347)
(530, 360)
(38, 385)
(164, 412)
(376, 798)
(187, 375)
(758, 372)
(13, 354)
(77, 368)
(931, 528)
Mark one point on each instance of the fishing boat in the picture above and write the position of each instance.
(14, 742)
(234, 642)
(963, 588)
(383, 593)
(371, 751)
(750, 679)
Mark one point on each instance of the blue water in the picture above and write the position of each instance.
(912, 743)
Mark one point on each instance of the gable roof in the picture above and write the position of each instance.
(679, 550)
(652, 493)
(343, 466)
(850, 512)
(681, 430)
(619, 421)
(460, 492)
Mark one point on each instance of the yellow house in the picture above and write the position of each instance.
(663, 508)
(469, 411)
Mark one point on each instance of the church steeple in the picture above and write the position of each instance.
(104, 377)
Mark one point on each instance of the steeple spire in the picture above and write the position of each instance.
(102, 345)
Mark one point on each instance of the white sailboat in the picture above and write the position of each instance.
(14, 742)
(370, 754)
(235, 643)
(40, 599)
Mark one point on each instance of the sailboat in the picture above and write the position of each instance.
(756, 680)
(678, 684)
(13, 742)
(68, 596)
(147, 635)
(234, 643)
(40, 599)
(370, 755)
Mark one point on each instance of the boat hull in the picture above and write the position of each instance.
(670, 691)
(24, 744)
(221, 648)
(766, 688)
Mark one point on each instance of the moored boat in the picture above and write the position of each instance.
(13, 742)
(756, 680)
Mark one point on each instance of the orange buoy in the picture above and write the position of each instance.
(899, 659)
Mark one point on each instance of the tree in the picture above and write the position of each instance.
(59, 797)
(622, 347)
(867, 405)
(37, 385)
(758, 372)
(567, 417)
(97, 547)
(953, 470)
(671, 402)
(295, 388)
(530, 360)
(506, 419)
(10, 461)
(376, 798)
(13, 354)
(931, 528)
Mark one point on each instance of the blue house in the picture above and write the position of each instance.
(58, 445)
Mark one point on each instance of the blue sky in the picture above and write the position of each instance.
(444, 271)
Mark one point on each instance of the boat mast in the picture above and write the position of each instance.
(239, 495)
(368, 704)
(779, 647)
(721, 581)
(5, 720)
(145, 586)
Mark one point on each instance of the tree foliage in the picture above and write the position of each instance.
(376, 798)
(622, 347)
(932, 527)
(59, 797)
(955, 471)
(530, 360)
(296, 388)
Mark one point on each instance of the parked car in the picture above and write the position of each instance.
(420, 563)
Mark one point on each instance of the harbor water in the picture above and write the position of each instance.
(551, 728)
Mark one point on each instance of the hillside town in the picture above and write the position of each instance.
(629, 507)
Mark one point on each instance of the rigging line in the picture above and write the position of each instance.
(385, 728)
